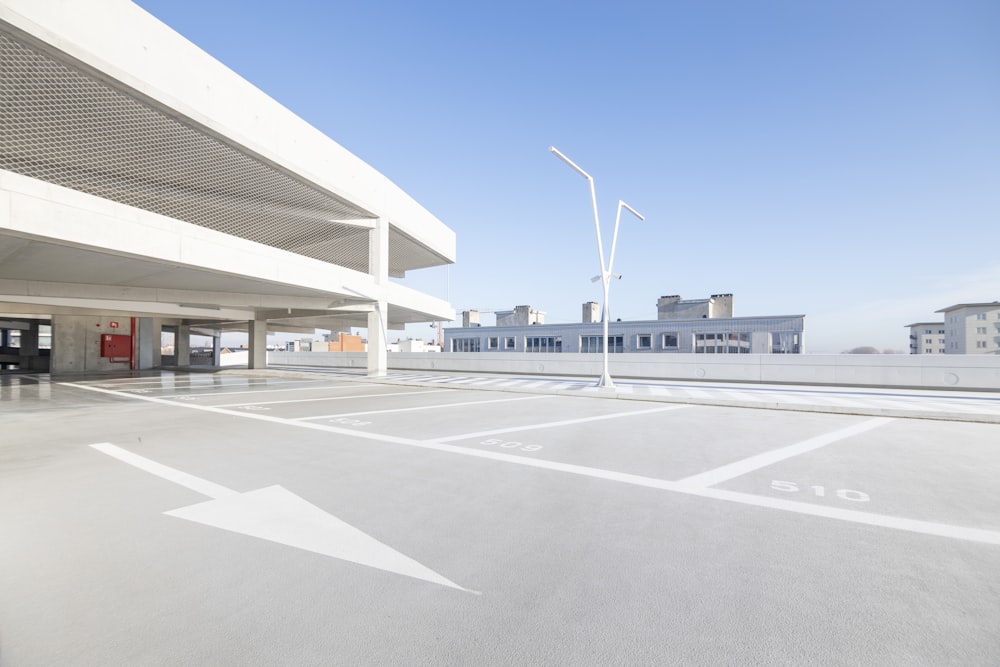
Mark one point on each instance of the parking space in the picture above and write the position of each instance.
(270, 518)
(669, 442)
(939, 471)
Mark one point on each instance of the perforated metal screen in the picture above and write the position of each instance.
(60, 125)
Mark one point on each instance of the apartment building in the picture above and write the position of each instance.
(972, 328)
(927, 337)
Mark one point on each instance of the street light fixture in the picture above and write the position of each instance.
(606, 274)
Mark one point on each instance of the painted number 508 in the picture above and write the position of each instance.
(820, 491)
(511, 444)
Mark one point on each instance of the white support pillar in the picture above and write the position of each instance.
(378, 357)
(378, 321)
(182, 345)
(257, 357)
(217, 348)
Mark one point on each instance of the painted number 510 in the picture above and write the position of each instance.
(820, 491)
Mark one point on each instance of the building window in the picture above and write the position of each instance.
(980, 330)
(465, 345)
(708, 343)
(722, 343)
(508, 343)
(644, 342)
(543, 344)
(596, 343)
(493, 342)
(669, 341)
(980, 316)
(739, 343)
(927, 331)
(785, 342)
(980, 343)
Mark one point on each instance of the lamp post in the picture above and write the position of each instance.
(606, 274)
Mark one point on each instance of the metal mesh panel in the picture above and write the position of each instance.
(62, 126)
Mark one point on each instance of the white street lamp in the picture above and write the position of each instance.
(606, 274)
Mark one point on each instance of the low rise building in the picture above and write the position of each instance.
(972, 328)
(927, 337)
(702, 326)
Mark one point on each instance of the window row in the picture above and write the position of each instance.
(782, 342)
(722, 343)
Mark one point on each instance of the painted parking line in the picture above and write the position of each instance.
(422, 407)
(236, 381)
(337, 398)
(196, 484)
(564, 422)
(852, 516)
(747, 465)
(258, 392)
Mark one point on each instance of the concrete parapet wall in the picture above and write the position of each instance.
(913, 371)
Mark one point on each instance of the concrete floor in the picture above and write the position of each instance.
(268, 518)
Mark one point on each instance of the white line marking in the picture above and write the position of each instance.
(565, 422)
(196, 484)
(255, 391)
(337, 398)
(199, 382)
(739, 468)
(278, 515)
(423, 407)
(852, 516)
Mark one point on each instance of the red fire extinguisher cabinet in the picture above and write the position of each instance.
(116, 347)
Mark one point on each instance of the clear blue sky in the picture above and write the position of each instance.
(837, 159)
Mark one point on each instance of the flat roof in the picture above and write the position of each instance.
(970, 305)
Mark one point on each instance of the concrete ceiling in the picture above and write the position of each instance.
(32, 260)
(188, 294)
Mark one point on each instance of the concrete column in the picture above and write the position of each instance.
(70, 338)
(29, 347)
(182, 345)
(378, 267)
(258, 344)
(156, 331)
(147, 342)
(378, 357)
(217, 349)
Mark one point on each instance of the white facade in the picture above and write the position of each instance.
(927, 338)
(140, 178)
(972, 328)
(700, 326)
(731, 335)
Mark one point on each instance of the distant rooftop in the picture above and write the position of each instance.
(969, 305)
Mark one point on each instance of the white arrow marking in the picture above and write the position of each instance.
(278, 515)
